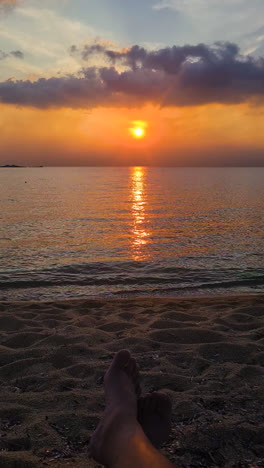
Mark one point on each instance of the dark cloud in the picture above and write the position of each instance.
(17, 54)
(88, 50)
(82, 91)
(173, 76)
(169, 59)
(14, 53)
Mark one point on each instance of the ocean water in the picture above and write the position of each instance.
(111, 232)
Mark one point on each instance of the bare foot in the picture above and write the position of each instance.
(119, 421)
(154, 415)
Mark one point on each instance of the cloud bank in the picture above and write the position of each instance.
(174, 76)
(14, 53)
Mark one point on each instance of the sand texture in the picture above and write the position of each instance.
(206, 353)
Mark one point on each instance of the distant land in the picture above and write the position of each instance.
(15, 166)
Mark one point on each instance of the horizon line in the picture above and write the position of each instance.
(132, 165)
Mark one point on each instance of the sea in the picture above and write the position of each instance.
(115, 232)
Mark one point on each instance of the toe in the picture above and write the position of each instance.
(122, 359)
(133, 371)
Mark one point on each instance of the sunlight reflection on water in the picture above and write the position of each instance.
(138, 196)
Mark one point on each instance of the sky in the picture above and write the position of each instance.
(78, 77)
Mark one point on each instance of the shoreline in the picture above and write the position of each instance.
(206, 353)
(212, 297)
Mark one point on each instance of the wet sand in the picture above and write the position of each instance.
(206, 353)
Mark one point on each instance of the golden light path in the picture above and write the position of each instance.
(139, 233)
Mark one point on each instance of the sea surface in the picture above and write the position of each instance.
(121, 232)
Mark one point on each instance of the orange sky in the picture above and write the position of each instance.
(61, 62)
(102, 135)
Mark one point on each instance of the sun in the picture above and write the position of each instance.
(138, 130)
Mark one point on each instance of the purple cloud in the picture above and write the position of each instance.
(173, 76)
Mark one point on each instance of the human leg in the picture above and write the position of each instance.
(119, 441)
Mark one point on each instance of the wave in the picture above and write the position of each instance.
(132, 278)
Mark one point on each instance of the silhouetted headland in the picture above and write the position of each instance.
(15, 166)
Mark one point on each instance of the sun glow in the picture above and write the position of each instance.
(138, 130)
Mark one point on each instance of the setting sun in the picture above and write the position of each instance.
(138, 130)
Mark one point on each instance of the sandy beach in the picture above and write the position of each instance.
(206, 353)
